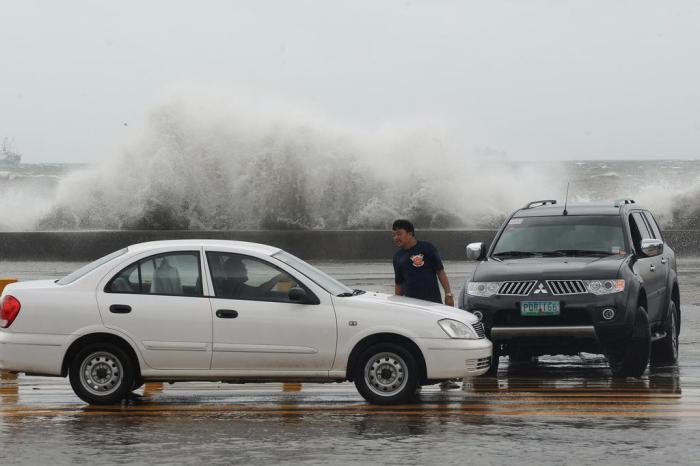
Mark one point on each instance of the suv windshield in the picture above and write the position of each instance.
(570, 235)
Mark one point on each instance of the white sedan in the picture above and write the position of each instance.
(229, 311)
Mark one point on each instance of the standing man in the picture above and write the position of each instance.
(418, 267)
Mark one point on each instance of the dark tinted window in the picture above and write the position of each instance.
(175, 274)
(237, 276)
(654, 226)
(572, 233)
(642, 226)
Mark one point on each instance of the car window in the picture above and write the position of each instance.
(654, 226)
(642, 226)
(173, 274)
(68, 279)
(237, 276)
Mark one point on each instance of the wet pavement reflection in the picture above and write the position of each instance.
(552, 411)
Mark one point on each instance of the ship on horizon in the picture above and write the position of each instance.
(8, 158)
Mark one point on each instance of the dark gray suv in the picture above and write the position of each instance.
(581, 278)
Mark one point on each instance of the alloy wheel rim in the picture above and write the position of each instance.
(674, 336)
(386, 374)
(101, 373)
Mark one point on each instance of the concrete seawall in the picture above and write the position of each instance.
(318, 245)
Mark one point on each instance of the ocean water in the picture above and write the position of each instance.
(268, 194)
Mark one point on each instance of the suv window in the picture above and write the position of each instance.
(654, 226)
(172, 274)
(236, 276)
(565, 235)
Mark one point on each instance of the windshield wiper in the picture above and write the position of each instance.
(356, 292)
(576, 252)
(514, 254)
(345, 295)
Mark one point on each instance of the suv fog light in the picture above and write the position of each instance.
(608, 314)
(478, 315)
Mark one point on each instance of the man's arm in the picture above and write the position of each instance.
(442, 277)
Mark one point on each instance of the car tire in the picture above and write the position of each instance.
(631, 358)
(664, 352)
(386, 373)
(102, 373)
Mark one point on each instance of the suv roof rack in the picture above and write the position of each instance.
(620, 202)
(541, 203)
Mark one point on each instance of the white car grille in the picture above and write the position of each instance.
(477, 364)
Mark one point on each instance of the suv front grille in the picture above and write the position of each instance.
(566, 287)
(517, 288)
(479, 329)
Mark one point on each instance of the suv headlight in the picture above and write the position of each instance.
(599, 287)
(457, 329)
(483, 289)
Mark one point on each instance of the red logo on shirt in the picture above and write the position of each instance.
(417, 260)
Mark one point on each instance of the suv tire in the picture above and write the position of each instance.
(630, 359)
(386, 373)
(664, 352)
(102, 373)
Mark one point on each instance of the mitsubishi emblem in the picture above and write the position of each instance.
(541, 289)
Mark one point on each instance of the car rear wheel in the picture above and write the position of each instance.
(102, 373)
(386, 373)
(631, 357)
(664, 352)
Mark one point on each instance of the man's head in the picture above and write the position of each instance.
(403, 234)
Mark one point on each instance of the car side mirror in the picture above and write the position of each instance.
(476, 251)
(652, 247)
(300, 295)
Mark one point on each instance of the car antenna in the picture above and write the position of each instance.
(566, 200)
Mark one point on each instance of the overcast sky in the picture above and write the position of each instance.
(535, 79)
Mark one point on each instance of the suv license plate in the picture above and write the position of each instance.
(539, 308)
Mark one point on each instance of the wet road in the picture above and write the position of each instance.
(559, 410)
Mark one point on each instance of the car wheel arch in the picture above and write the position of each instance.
(91, 338)
(395, 338)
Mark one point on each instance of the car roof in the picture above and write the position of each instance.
(242, 246)
(576, 209)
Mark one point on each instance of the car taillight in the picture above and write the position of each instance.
(8, 310)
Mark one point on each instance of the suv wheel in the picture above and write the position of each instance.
(102, 373)
(664, 352)
(386, 373)
(630, 358)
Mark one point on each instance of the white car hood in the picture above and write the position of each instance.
(438, 310)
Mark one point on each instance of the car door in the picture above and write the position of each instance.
(257, 327)
(158, 301)
(649, 268)
(663, 263)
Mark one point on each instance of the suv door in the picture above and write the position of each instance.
(650, 269)
(158, 302)
(257, 327)
(663, 268)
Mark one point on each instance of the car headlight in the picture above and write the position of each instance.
(599, 287)
(457, 329)
(483, 289)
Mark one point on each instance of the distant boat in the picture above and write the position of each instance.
(7, 157)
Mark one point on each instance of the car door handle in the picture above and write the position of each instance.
(226, 314)
(664, 260)
(652, 267)
(119, 309)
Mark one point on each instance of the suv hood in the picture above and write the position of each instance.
(549, 268)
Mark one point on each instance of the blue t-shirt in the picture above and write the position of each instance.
(416, 270)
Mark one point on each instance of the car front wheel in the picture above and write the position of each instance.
(102, 373)
(630, 358)
(386, 373)
(665, 351)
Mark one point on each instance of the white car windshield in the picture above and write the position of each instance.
(68, 279)
(323, 280)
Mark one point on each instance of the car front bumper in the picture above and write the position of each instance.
(452, 358)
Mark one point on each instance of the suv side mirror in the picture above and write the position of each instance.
(652, 247)
(476, 251)
(300, 295)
